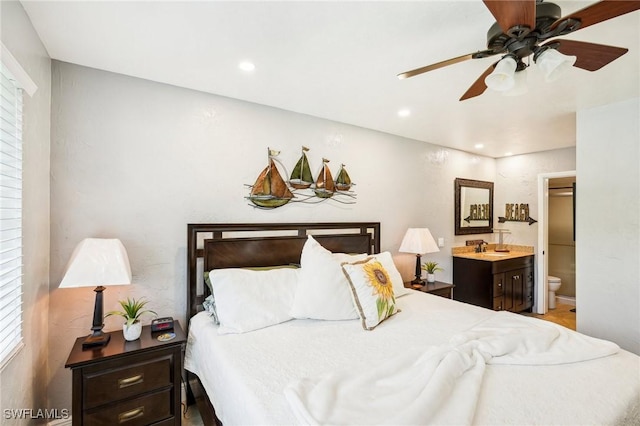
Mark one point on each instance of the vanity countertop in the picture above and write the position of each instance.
(515, 251)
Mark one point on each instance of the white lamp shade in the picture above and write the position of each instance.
(97, 262)
(520, 85)
(418, 241)
(501, 78)
(553, 64)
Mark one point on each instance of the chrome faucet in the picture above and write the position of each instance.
(480, 248)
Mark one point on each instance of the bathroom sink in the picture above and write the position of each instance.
(496, 254)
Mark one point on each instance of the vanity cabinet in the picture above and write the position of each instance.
(495, 284)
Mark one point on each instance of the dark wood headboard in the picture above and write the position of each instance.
(212, 246)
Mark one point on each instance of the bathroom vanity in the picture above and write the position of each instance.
(494, 280)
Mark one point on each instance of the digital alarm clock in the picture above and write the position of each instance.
(162, 324)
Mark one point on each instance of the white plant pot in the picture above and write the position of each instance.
(133, 331)
(431, 278)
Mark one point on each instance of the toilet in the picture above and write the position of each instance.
(554, 285)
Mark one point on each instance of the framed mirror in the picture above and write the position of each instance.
(473, 207)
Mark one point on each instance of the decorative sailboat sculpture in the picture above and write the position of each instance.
(301, 177)
(343, 181)
(325, 187)
(270, 190)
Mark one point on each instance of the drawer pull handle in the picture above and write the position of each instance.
(130, 415)
(130, 381)
(499, 284)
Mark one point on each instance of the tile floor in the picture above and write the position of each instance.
(561, 315)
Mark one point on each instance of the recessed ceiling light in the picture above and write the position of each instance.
(247, 66)
(508, 154)
(479, 146)
(404, 112)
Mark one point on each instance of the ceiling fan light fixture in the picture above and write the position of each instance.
(553, 64)
(520, 85)
(502, 77)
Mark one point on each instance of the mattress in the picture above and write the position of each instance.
(245, 374)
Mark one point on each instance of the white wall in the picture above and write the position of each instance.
(138, 160)
(608, 223)
(516, 181)
(23, 381)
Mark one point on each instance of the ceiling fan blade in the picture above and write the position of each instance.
(590, 56)
(478, 87)
(432, 67)
(513, 13)
(421, 70)
(601, 11)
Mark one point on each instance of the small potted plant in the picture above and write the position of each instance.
(132, 309)
(431, 268)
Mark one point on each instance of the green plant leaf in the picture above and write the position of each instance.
(132, 309)
(431, 267)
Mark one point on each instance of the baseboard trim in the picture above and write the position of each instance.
(566, 300)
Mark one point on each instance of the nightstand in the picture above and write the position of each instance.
(137, 383)
(438, 288)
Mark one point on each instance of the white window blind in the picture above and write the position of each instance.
(10, 215)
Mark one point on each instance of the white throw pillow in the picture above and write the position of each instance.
(323, 291)
(248, 300)
(372, 291)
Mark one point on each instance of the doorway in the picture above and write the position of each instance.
(562, 242)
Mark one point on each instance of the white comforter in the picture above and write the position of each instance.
(441, 384)
(246, 375)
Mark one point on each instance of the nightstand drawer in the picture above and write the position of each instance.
(135, 412)
(104, 386)
(444, 292)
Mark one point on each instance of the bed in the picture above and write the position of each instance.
(431, 360)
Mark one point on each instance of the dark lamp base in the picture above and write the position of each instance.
(93, 340)
(418, 279)
(97, 337)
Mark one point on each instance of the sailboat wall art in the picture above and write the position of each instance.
(270, 190)
(325, 187)
(301, 177)
(343, 181)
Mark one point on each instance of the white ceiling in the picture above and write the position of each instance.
(339, 60)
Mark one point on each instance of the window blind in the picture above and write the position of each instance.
(10, 215)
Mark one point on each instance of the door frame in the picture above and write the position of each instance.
(542, 303)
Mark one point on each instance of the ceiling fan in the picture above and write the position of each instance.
(522, 29)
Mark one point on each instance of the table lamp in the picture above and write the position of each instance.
(418, 241)
(97, 262)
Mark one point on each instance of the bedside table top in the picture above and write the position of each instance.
(118, 346)
(429, 287)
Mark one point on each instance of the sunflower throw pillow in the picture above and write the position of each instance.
(371, 290)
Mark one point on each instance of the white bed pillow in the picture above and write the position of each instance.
(323, 291)
(372, 291)
(386, 260)
(248, 300)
